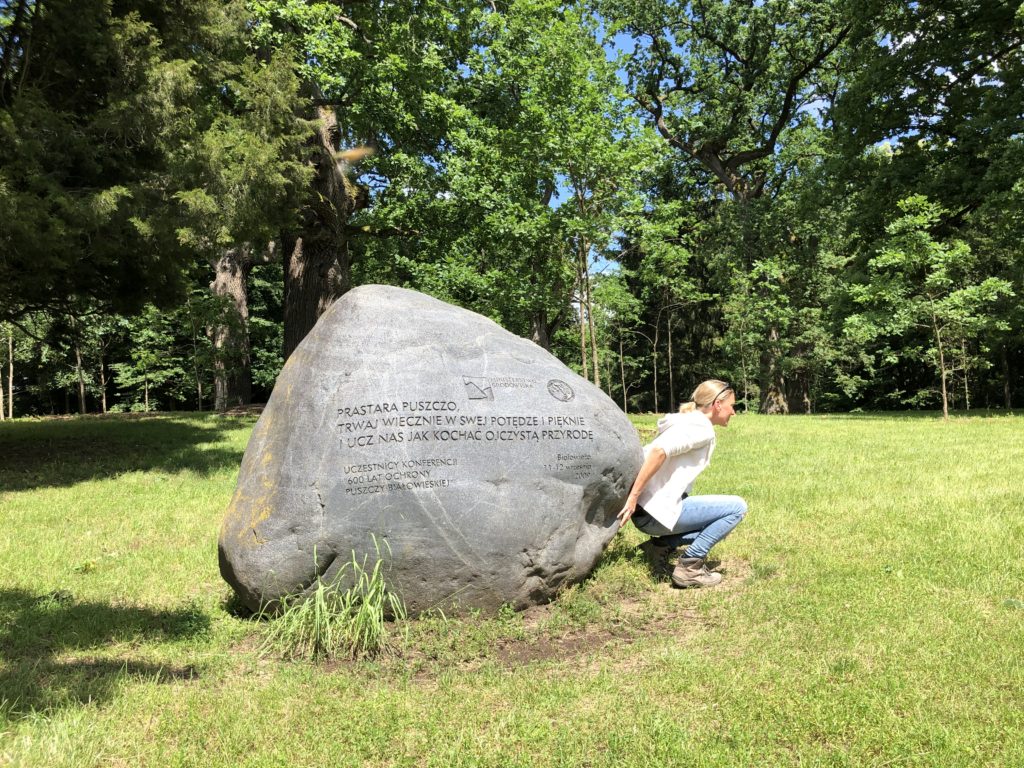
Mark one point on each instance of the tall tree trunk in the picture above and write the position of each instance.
(583, 340)
(654, 363)
(314, 278)
(317, 259)
(581, 297)
(539, 332)
(232, 365)
(1007, 389)
(942, 366)
(967, 388)
(595, 358)
(622, 374)
(671, 376)
(3, 397)
(81, 378)
(743, 355)
(10, 374)
(80, 375)
(103, 383)
(773, 382)
(590, 319)
(746, 379)
(145, 383)
(195, 353)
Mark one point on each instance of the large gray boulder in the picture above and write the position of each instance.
(483, 470)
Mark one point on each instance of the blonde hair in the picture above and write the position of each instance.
(704, 395)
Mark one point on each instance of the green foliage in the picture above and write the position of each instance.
(941, 83)
(931, 108)
(695, 198)
(332, 620)
(266, 326)
(738, 91)
(149, 365)
(617, 312)
(90, 96)
(539, 161)
(726, 83)
(243, 174)
(924, 287)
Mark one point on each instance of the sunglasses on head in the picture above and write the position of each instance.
(721, 392)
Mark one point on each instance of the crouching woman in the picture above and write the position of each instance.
(659, 502)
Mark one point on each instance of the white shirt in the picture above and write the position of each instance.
(688, 440)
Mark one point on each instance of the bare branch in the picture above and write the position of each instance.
(655, 107)
(350, 23)
(788, 104)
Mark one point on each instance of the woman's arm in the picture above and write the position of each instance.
(655, 458)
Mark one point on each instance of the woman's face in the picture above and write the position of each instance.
(722, 410)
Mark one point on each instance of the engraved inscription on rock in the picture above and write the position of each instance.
(489, 471)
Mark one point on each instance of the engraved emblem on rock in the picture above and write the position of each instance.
(561, 391)
(477, 388)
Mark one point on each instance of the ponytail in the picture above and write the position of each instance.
(704, 395)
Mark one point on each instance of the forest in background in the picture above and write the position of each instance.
(819, 201)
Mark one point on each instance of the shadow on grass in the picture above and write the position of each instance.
(37, 630)
(62, 452)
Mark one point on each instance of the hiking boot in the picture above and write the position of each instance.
(658, 557)
(692, 572)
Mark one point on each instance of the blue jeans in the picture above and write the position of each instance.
(703, 522)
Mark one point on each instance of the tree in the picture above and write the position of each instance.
(89, 97)
(919, 284)
(617, 313)
(940, 86)
(941, 81)
(7, 346)
(164, 103)
(726, 85)
(539, 162)
(152, 359)
(545, 164)
(374, 76)
(243, 177)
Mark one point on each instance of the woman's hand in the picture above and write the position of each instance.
(655, 458)
(627, 510)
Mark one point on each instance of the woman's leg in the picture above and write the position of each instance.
(662, 537)
(713, 517)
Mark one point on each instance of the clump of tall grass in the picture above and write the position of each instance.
(330, 622)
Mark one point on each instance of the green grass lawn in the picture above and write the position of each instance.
(872, 615)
